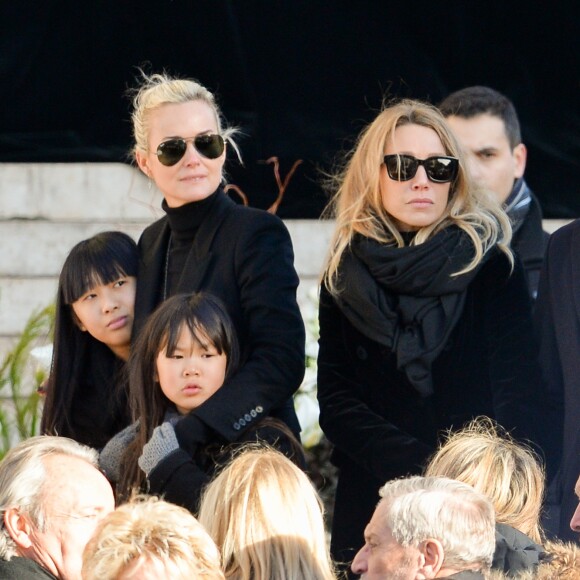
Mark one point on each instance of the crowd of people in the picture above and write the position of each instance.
(449, 325)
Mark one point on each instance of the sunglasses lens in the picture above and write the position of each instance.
(438, 169)
(171, 151)
(210, 146)
(401, 167)
(441, 169)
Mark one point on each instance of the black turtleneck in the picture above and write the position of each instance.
(184, 222)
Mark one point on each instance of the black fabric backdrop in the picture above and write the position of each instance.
(300, 77)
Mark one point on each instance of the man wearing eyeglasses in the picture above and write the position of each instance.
(52, 496)
(486, 124)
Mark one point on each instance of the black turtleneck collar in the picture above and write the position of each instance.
(184, 221)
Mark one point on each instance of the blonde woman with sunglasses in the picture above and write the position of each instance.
(207, 242)
(425, 319)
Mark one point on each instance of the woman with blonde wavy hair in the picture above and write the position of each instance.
(488, 458)
(267, 519)
(425, 320)
(510, 474)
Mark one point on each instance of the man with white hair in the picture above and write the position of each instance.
(428, 527)
(52, 496)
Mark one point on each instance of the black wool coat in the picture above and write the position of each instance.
(382, 428)
(243, 256)
(557, 317)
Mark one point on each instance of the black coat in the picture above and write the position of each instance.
(557, 316)
(382, 428)
(514, 551)
(244, 257)
(24, 569)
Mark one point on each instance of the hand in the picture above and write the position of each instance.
(112, 453)
(191, 432)
(163, 442)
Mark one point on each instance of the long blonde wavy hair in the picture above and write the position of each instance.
(357, 205)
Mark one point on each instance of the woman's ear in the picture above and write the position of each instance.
(520, 155)
(142, 162)
(18, 527)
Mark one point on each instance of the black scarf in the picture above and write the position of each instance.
(405, 298)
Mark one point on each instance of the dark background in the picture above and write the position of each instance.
(301, 78)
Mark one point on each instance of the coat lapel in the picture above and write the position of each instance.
(151, 276)
(200, 255)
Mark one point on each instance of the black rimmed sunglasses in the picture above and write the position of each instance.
(439, 169)
(209, 145)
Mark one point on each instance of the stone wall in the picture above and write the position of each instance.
(47, 208)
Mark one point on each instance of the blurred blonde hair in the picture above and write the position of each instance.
(265, 515)
(357, 205)
(147, 532)
(486, 457)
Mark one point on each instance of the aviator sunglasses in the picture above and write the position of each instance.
(210, 145)
(439, 169)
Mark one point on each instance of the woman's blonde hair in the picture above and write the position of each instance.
(161, 89)
(357, 205)
(148, 531)
(486, 457)
(266, 517)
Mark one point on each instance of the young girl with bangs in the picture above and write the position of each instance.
(85, 394)
(187, 350)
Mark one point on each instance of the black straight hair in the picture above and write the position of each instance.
(478, 100)
(101, 259)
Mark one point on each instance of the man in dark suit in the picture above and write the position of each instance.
(487, 125)
(557, 317)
